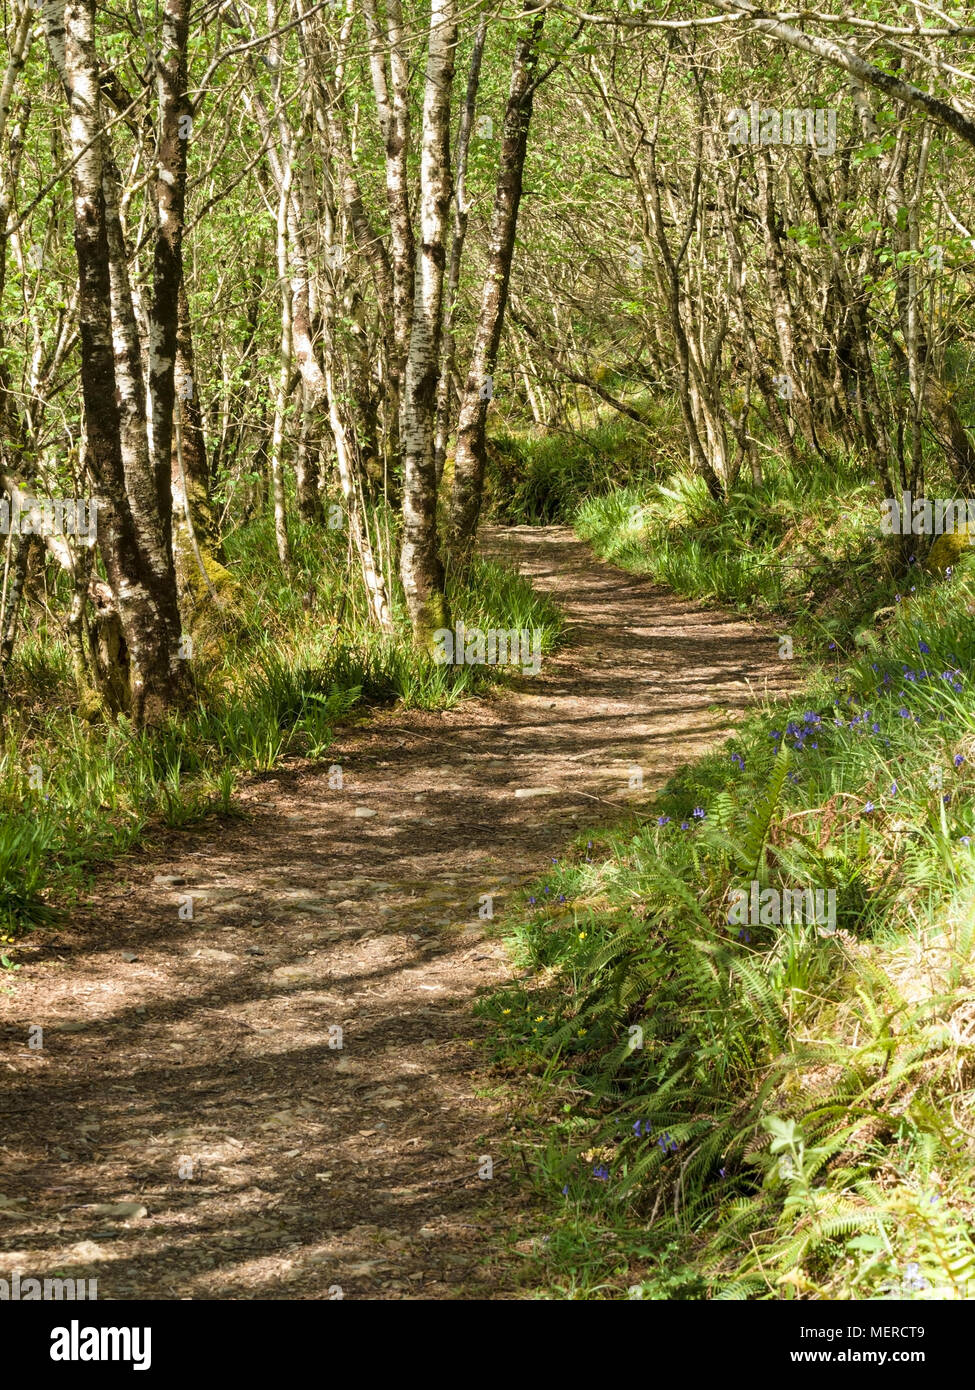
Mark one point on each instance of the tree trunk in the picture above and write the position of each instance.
(174, 125)
(17, 559)
(306, 466)
(461, 214)
(193, 448)
(470, 455)
(392, 94)
(284, 379)
(131, 528)
(420, 564)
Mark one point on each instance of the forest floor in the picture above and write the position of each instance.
(190, 1127)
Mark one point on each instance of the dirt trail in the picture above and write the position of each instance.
(197, 1080)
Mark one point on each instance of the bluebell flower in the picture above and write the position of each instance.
(663, 820)
(958, 760)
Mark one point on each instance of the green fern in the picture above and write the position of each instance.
(750, 852)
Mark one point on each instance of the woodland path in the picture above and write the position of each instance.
(310, 1167)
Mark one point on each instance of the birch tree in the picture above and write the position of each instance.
(470, 453)
(133, 496)
(421, 567)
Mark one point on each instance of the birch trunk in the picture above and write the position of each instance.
(174, 129)
(461, 215)
(17, 559)
(392, 95)
(284, 379)
(131, 528)
(193, 447)
(470, 456)
(420, 565)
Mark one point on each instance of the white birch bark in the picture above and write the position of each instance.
(420, 564)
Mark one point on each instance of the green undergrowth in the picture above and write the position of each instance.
(803, 549)
(300, 658)
(537, 477)
(728, 1104)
